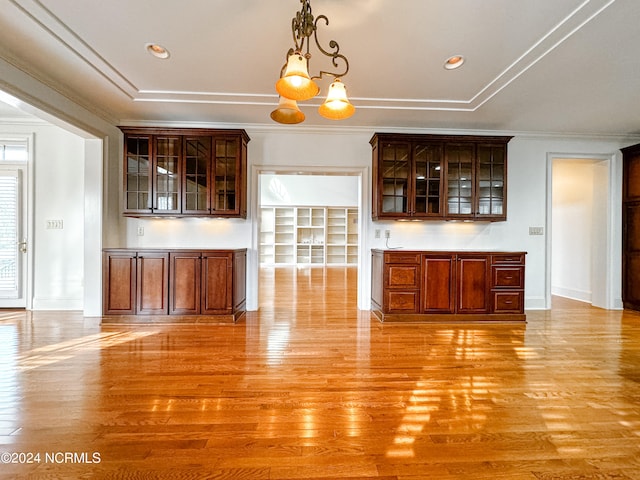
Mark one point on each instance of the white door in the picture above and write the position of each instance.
(13, 242)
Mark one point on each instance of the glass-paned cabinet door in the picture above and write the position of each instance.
(225, 175)
(394, 172)
(491, 180)
(138, 174)
(460, 164)
(167, 174)
(197, 166)
(428, 165)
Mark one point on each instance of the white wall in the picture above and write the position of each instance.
(579, 229)
(103, 198)
(309, 190)
(58, 260)
(572, 226)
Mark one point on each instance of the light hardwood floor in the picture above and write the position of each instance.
(311, 388)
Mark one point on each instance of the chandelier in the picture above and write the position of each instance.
(295, 83)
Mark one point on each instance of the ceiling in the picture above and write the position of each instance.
(548, 66)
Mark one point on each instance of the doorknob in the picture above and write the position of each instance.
(23, 246)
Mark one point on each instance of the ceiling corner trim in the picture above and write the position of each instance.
(65, 36)
(577, 19)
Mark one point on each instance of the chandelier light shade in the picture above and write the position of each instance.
(296, 84)
(337, 105)
(287, 112)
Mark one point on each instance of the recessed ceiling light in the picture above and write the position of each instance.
(157, 51)
(454, 62)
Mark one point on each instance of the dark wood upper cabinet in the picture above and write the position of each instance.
(185, 172)
(439, 177)
(407, 178)
(631, 227)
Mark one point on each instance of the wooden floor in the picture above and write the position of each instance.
(310, 388)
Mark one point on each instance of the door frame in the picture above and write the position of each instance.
(27, 212)
(612, 255)
(363, 265)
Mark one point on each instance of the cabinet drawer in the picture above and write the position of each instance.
(402, 276)
(402, 257)
(402, 302)
(508, 258)
(507, 277)
(508, 302)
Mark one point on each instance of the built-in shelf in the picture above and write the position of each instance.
(308, 235)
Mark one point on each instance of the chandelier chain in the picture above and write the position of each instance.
(303, 26)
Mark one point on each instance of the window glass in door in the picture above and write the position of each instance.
(12, 245)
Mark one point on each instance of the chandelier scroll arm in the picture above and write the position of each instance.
(335, 54)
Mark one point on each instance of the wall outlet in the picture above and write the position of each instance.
(536, 230)
(140, 231)
(387, 234)
(377, 233)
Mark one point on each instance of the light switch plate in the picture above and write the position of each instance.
(55, 224)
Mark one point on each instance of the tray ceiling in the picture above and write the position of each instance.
(562, 66)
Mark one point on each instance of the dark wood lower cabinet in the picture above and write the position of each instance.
(507, 283)
(218, 290)
(185, 283)
(631, 227)
(151, 283)
(205, 283)
(119, 283)
(472, 284)
(444, 286)
(439, 283)
(402, 285)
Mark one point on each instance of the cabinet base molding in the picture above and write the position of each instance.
(173, 319)
(447, 318)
